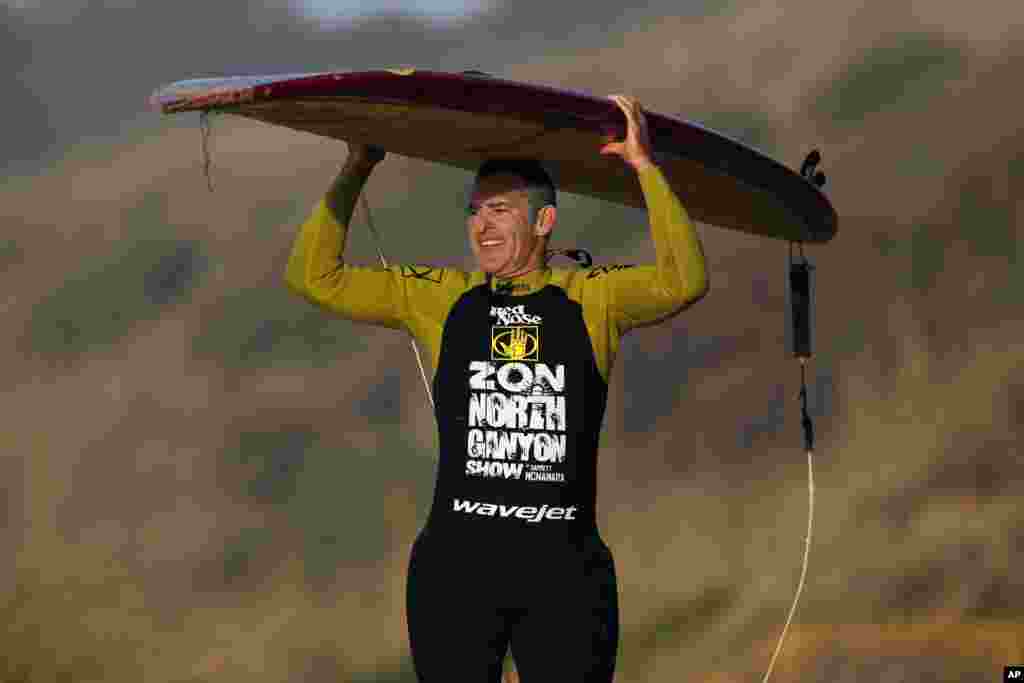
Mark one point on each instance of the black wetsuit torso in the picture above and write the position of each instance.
(519, 402)
(511, 549)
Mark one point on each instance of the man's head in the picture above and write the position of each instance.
(511, 215)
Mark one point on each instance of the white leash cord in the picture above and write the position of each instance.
(803, 570)
(384, 262)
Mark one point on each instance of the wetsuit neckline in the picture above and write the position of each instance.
(521, 285)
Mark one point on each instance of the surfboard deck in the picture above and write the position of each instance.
(461, 119)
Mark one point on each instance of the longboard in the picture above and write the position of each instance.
(461, 119)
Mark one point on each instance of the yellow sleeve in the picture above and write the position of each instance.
(642, 295)
(316, 272)
(410, 297)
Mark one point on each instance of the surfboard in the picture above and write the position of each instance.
(463, 118)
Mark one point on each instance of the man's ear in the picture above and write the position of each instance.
(545, 220)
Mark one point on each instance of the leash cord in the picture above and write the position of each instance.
(383, 261)
(799, 281)
(204, 133)
(808, 428)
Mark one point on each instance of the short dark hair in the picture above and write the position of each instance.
(539, 187)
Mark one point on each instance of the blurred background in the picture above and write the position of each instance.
(206, 479)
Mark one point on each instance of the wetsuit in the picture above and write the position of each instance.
(511, 551)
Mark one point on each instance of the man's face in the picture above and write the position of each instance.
(500, 233)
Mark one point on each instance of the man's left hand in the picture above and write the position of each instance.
(635, 150)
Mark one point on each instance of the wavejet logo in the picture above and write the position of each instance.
(530, 514)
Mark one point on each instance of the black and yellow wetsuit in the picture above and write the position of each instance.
(510, 551)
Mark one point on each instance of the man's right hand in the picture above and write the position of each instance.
(364, 156)
(358, 166)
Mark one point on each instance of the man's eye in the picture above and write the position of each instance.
(474, 210)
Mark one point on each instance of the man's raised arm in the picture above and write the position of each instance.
(316, 270)
(645, 294)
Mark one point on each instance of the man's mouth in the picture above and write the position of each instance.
(491, 243)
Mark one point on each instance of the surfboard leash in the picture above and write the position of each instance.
(803, 568)
(800, 298)
(801, 294)
(205, 131)
(377, 242)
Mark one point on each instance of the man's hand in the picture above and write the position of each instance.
(635, 150)
(364, 156)
(358, 166)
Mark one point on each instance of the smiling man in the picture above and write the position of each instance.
(511, 214)
(521, 356)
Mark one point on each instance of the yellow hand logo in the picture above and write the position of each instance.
(517, 347)
(515, 343)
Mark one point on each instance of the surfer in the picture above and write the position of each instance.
(521, 356)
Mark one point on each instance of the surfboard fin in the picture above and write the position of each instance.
(811, 162)
(810, 165)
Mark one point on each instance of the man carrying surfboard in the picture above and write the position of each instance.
(521, 354)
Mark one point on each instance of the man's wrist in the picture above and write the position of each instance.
(358, 165)
(644, 164)
(354, 172)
